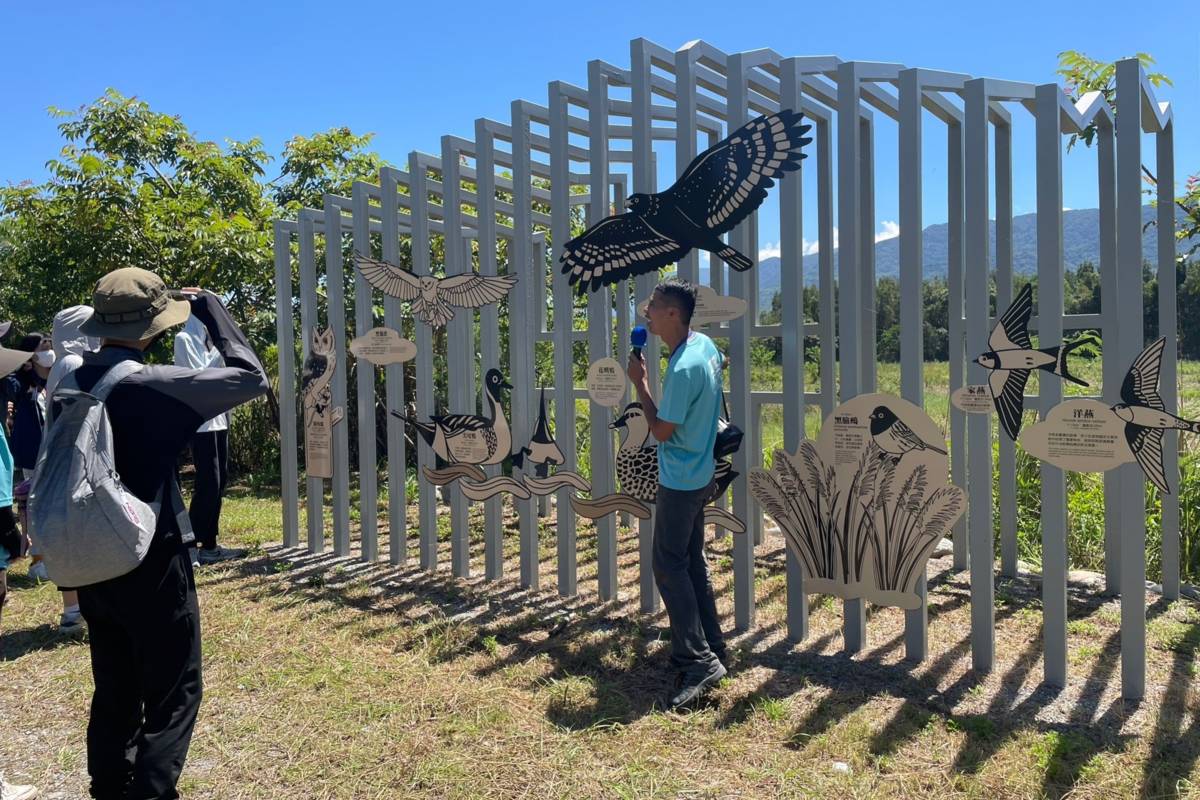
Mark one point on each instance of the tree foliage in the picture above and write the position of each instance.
(135, 187)
(1084, 74)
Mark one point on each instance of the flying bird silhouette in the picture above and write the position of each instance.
(720, 188)
(894, 437)
(1145, 415)
(1012, 358)
(433, 298)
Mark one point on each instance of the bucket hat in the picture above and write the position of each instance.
(133, 304)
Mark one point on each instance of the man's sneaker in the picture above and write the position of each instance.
(12, 791)
(694, 684)
(216, 555)
(69, 623)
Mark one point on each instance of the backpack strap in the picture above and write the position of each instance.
(115, 374)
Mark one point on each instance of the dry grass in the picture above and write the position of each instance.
(331, 678)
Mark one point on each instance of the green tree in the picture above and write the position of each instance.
(135, 187)
(1084, 74)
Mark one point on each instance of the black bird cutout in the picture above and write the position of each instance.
(894, 437)
(1145, 415)
(1012, 358)
(719, 189)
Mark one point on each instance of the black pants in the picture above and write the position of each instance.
(210, 452)
(681, 572)
(144, 629)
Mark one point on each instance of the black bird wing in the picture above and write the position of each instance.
(904, 434)
(616, 248)
(727, 182)
(472, 290)
(389, 278)
(460, 422)
(1140, 387)
(1012, 331)
(1147, 447)
(1008, 396)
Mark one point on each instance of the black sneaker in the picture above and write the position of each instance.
(216, 555)
(694, 684)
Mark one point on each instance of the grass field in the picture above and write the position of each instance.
(329, 678)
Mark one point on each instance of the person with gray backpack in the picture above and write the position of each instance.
(107, 510)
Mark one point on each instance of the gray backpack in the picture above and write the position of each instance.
(88, 527)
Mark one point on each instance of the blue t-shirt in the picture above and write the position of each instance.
(6, 472)
(691, 399)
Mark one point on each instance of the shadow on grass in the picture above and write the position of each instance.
(597, 661)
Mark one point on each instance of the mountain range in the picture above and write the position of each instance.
(1081, 242)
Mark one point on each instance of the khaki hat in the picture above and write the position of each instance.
(10, 360)
(133, 304)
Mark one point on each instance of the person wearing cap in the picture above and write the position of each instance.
(210, 451)
(145, 626)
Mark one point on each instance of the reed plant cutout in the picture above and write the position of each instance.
(864, 507)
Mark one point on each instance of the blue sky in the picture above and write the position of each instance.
(410, 72)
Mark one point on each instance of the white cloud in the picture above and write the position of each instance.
(891, 230)
(770, 251)
(1067, 208)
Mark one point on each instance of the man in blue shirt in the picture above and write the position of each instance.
(685, 424)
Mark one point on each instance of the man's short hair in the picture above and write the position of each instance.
(681, 294)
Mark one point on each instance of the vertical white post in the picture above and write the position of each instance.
(979, 436)
(912, 323)
(791, 245)
(285, 337)
(1167, 326)
(851, 274)
(1130, 340)
(956, 326)
(1053, 510)
(397, 449)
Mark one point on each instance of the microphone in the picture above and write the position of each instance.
(637, 338)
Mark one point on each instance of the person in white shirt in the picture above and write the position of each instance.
(210, 450)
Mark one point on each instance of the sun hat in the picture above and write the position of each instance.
(5, 327)
(10, 360)
(133, 304)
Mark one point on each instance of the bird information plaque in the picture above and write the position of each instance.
(863, 508)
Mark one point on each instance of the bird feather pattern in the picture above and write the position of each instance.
(718, 190)
(434, 299)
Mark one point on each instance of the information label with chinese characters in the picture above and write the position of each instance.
(382, 346)
(606, 382)
(1079, 435)
(973, 399)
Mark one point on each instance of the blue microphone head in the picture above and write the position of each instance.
(638, 337)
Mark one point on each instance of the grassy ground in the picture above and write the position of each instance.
(328, 678)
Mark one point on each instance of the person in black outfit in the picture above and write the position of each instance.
(145, 626)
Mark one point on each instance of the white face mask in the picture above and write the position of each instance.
(44, 358)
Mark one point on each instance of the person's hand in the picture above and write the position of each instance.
(636, 369)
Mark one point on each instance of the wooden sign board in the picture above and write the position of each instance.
(864, 507)
(711, 308)
(383, 346)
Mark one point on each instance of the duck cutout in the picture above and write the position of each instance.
(637, 460)
(1012, 357)
(1145, 415)
(433, 299)
(469, 438)
(542, 450)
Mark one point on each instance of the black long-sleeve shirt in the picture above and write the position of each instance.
(154, 412)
